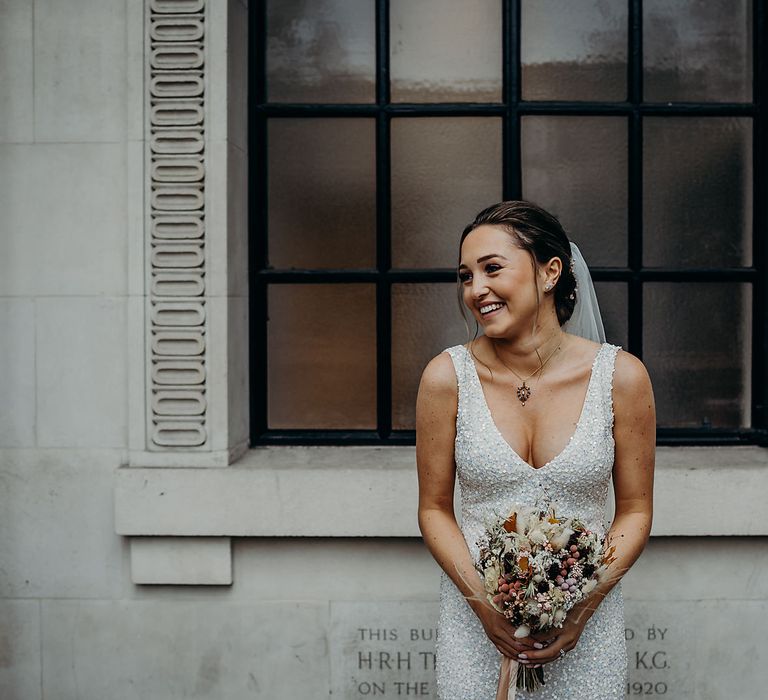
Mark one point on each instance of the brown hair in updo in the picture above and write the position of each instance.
(540, 233)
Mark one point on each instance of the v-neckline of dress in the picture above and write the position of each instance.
(514, 453)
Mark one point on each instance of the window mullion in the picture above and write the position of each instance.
(512, 185)
(258, 254)
(635, 177)
(383, 226)
(760, 223)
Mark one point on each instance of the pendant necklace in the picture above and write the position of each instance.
(524, 391)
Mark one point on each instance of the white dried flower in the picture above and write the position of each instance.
(492, 574)
(561, 540)
(522, 631)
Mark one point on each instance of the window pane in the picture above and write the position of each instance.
(697, 191)
(322, 356)
(444, 171)
(576, 168)
(445, 50)
(322, 193)
(574, 50)
(425, 320)
(612, 300)
(697, 51)
(696, 346)
(321, 51)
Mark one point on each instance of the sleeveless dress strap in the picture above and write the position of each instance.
(605, 384)
(458, 354)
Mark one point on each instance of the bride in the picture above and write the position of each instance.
(537, 409)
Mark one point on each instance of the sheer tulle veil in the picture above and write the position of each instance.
(585, 320)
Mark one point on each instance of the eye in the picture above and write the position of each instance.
(490, 268)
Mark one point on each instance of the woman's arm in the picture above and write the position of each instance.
(634, 432)
(635, 435)
(436, 407)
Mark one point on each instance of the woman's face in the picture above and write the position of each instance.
(493, 271)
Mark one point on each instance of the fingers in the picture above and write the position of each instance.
(512, 654)
(517, 651)
(548, 654)
(545, 637)
(536, 642)
(507, 644)
(527, 643)
(511, 648)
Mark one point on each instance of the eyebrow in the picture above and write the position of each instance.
(486, 257)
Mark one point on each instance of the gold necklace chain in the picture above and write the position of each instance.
(524, 391)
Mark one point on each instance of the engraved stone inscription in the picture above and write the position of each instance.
(387, 649)
(383, 650)
(659, 660)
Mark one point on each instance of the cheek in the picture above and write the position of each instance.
(523, 291)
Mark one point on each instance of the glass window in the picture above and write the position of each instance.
(322, 356)
(697, 338)
(697, 203)
(375, 140)
(443, 169)
(445, 50)
(320, 51)
(322, 192)
(576, 167)
(697, 51)
(574, 50)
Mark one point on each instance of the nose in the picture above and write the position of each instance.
(479, 289)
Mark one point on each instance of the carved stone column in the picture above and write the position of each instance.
(176, 305)
(194, 411)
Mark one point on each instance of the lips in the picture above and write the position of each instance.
(494, 312)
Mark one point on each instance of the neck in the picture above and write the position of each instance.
(527, 353)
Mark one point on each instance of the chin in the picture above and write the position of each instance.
(493, 332)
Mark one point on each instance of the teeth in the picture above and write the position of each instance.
(490, 307)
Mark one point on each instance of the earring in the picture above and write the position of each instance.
(547, 287)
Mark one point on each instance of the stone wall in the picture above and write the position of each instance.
(110, 592)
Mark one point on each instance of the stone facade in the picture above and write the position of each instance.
(145, 551)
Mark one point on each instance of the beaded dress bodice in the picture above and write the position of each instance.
(493, 479)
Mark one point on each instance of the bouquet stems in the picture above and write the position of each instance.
(514, 675)
(530, 678)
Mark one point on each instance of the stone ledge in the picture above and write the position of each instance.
(200, 561)
(373, 492)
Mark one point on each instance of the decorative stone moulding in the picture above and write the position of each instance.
(176, 256)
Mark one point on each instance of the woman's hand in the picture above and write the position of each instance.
(564, 638)
(502, 633)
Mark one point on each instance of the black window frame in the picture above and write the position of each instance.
(511, 109)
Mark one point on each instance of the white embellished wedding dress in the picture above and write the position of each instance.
(492, 479)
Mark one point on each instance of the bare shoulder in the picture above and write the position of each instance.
(437, 400)
(439, 376)
(631, 381)
(583, 350)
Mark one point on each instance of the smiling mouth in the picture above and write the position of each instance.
(494, 312)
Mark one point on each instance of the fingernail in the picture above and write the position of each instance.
(538, 645)
(522, 656)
